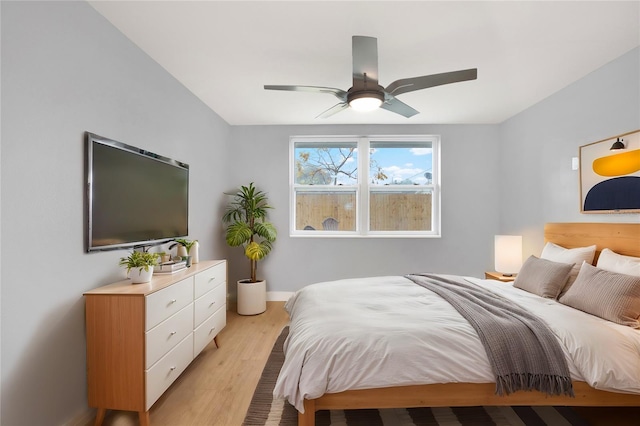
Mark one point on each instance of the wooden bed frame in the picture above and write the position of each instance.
(623, 238)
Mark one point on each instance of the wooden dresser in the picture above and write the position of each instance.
(141, 337)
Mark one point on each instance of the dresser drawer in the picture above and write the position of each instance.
(208, 330)
(206, 305)
(207, 280)
(164, 336)
(166, 302)
(164, 372)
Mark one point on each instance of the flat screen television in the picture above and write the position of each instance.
(134, 197)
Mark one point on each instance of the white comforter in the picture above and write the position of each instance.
(388, 331)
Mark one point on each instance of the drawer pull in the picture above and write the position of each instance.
(173, 301)
(172, 368)
(173, 332)
(212, 330)
(212, 279)
(212, 303)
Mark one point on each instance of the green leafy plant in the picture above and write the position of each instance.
(139, 259)
(186, 243)
(246, 214)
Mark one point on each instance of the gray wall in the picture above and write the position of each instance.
(537, 183)
(507, 178)
(469, 209)
(66, 70)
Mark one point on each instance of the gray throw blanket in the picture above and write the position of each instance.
(522, 350)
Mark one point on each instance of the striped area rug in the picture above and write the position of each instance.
(265, 410)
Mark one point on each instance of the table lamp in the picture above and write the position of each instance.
(508, 254)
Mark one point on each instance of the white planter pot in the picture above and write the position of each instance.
(252, 297)
(194, 252)
(181, 250)
(139, 276)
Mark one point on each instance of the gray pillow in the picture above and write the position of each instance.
(543, 277)
(609, 295)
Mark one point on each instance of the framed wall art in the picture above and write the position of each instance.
(610, 175)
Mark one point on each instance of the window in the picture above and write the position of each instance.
(365, 186)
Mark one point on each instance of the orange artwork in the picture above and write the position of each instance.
(610, 178)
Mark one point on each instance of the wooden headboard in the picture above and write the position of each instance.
(623, 238)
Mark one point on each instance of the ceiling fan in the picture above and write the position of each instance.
(366, 94)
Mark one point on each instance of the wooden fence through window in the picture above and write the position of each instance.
(390, 211)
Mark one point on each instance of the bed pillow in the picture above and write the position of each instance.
(614, 262)
(542, 277)
(609, 295)
(575, 256)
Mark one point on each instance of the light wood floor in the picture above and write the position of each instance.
(217, 387)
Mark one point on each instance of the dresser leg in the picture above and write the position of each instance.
(215, 340)
(144, 418)
(100, 416)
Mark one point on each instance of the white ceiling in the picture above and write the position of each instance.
(225, 52)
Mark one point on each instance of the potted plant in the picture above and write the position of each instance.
(187, 246)
(246, 215)
(164, 257)
(140, 265)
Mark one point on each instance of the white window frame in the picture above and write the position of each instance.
(363, 188)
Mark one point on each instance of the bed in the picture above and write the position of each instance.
(378, 387)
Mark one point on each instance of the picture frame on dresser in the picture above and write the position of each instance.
(141, 337)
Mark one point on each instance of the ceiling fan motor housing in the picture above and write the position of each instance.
(365, 99)
(367, 93)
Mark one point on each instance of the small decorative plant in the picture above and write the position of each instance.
(139, 259)
(186, 243)
(246, 215)
(164, 257)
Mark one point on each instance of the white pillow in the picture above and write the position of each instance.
(576, 256)
(614, 262)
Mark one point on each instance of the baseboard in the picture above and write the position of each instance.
(279, 296)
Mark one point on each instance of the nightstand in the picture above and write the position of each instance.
(499, 277)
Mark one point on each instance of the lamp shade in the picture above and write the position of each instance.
(508, 253)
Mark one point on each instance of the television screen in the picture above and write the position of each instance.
(134, 197)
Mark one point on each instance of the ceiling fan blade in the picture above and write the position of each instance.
(338, 93)
(394, 105)
(365, 61)
(334, 110)
(417, 83)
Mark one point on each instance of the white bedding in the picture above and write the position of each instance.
(387, 331)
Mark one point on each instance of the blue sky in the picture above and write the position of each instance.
(398, 164)
(404, 163)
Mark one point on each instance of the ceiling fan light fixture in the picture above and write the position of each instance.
(366, 101)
